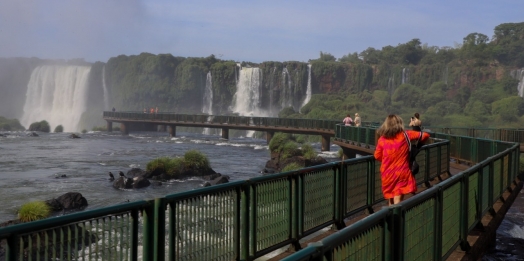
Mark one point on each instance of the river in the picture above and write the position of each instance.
(29, 165)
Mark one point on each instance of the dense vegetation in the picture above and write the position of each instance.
(193, 160)
(42, 126)
(10, 124)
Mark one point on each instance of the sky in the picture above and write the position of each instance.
(252, 31)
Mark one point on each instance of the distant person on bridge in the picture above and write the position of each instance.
(393, 151)
(348, 121)
(358, 122)
(415, 122)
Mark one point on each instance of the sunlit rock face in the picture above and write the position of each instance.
(56, 94)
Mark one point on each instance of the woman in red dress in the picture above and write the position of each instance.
(393, 151)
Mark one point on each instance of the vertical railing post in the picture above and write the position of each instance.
(464, 190)
(134, 234)
(148, 241)
(159, 241)
(11, 248)
(244, 222)
(439, 209)
(371, 185)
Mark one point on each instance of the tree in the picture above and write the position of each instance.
(326, 57)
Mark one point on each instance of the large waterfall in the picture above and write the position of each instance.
(56, 94)
(308, 90)
(246, 101)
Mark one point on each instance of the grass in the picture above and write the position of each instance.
(291, 167)
(193, 159)
(34, 210)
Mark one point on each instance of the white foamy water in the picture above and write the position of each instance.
(308, 90)
(56, 94)
(104, 88)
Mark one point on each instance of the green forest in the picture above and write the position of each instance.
(472, 84)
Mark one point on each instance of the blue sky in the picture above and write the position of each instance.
(253, 31)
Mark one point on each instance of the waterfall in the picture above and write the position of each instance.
(405, 75)
(308, 90)
(56, 94)
(519, 75)
(104, 86)
(207, 103)
(287, 98)
(246, 101)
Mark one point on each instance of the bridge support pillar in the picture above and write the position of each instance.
(225, 133)
(124, 128)
(109, 126)
(348, 153)
(269, 136)
(172, 130)
(325, 143)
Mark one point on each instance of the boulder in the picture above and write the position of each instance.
(70, 201)
(219, 180)
(123, 183)
(136, 172)
(140, 182)
(74, 136)
(276, 165)
(32, 134)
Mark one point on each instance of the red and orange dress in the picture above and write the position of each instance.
(395, 171)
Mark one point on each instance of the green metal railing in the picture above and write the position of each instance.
(432, 224)
(247, 219)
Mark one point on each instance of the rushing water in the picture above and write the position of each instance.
(510, 234)
(29, 165)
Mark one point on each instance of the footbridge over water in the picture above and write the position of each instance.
(247, 219)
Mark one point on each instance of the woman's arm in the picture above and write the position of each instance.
(378, 150)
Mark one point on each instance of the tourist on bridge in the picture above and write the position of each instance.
(358, 122)
(415, 122)
(348, 121)
(393, 151)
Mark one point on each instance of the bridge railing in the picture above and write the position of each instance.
(432, 224)
(503, 134)
(167, 117)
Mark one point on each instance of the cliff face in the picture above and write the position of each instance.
(177, 84)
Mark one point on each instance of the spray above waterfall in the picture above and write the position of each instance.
(56, 94)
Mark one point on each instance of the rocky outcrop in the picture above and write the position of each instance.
(74, 136)
(218, 180)
(276, 164)
(70, 201)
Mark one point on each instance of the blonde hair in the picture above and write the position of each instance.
(356, 114)
(392, 125)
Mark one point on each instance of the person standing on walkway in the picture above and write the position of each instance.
(358, 122)
(393, 151)
(348, 121)
(415, 122)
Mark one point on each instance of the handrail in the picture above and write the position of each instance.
(432, 224)
(245, 220)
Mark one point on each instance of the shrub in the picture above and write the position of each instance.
(308, 152)
(291, 166)
(174, 166)
(195, 159)
(289, 149)
(158, 164)
(84, 131)
(32, 211)
(278, 140)
(99, 128)
(59, 128)
(340, 153)
(42, 126)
